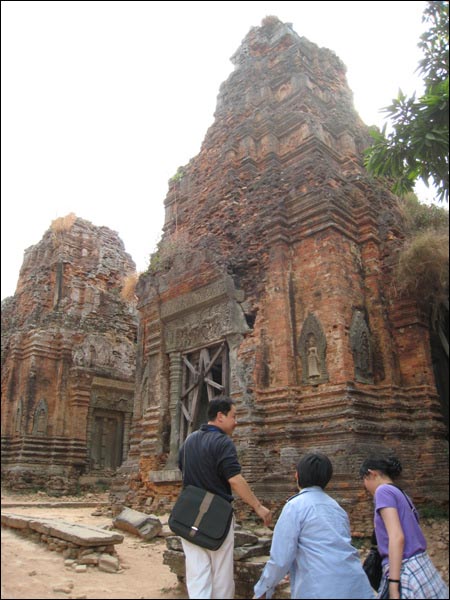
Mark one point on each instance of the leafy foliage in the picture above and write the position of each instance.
(178, 175)
(418, 145)
(434, 43)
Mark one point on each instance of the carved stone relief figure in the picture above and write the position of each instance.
(361, 348)
(92, 355)
(40, 419)
(78, 357)
(196, 329)
(97, 351)
(103, 353)
(19, 413)
(313, 357)
(122, 358)
(312, 349)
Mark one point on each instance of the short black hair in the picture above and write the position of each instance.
(390, 466)
(314, 468)
(221, 404)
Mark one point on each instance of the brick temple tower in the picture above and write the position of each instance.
(272, 284)
(68, 360)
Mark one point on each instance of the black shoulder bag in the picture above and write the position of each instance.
(372, 564)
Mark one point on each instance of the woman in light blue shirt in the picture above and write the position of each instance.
(312, 542)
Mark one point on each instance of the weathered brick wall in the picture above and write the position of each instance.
(68, 356)
(278, 212)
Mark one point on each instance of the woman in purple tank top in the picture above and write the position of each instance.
(407, 569)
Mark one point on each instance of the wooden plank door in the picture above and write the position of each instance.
(205, 376)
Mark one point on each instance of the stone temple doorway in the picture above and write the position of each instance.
(107, 440)
(205, 376)
(108, 426)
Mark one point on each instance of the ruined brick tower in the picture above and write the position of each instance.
(272, 283)
(68, 360)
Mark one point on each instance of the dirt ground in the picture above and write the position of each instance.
(30, 570)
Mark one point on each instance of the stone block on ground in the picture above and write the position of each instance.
(145, 526)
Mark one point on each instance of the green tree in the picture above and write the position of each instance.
(417, 147)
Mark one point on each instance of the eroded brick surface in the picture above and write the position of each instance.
(279, 246)
(68, 360)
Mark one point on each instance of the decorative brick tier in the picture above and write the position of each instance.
(273, 283)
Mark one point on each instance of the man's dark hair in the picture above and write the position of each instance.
(314, 469)
(221, 404)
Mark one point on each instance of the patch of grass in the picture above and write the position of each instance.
(360, 542)
(128, 290)
(420, 217)
(422, 270)
(178, 175)
(168, 248)
(102, 486)
(434, 511)
(63, 223)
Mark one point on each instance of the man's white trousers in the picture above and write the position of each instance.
(209, 573)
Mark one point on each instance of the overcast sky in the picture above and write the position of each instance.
(103, 101)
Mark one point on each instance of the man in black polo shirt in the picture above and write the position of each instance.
(208, 459)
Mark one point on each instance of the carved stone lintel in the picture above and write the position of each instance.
(199, 328)
(193, 301)
(203, 317)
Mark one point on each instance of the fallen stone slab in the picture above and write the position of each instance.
(38, 504)
(14, 521)
(79, 535)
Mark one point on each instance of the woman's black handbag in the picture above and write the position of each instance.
(372, 565)
(201, 517)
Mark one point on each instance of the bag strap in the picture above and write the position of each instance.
(204, 506)
(184, 459)
(373, 540)
(410, 504)
(185, 443)
(399, 488)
